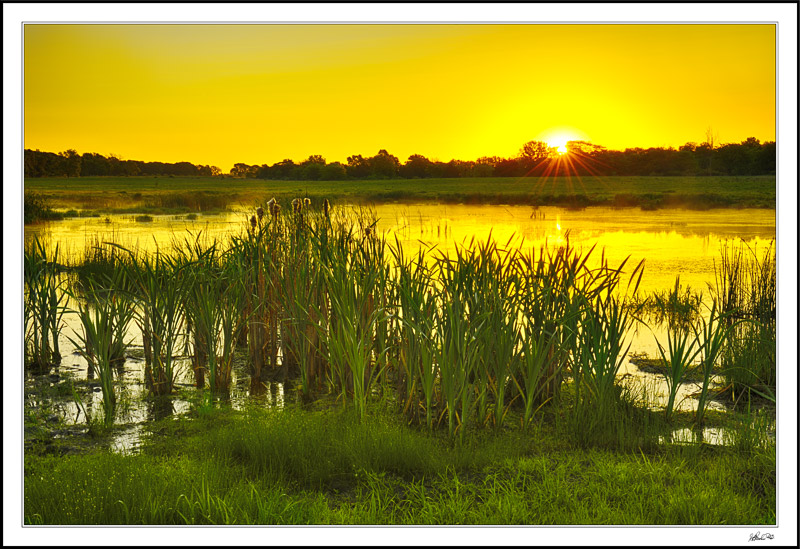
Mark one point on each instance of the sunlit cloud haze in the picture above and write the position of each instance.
(220, 94)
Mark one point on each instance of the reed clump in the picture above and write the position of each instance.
(104, 318)
(745, 295)
(44, 305)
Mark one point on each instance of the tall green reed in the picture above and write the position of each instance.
(455, 343)
(351, 280)
(712, 336)
(682, 351)
(745, 289)
(601, 352)
(44, 305)
(416, 304)
(158, 288)
(104, 317)
(197, 260)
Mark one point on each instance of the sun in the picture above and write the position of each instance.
(558, 142)
(557, 138)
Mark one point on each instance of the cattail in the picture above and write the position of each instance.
(260, 213)
(297, 205)
(368, 231)
(326, 207)
(307, 202)
(276, 209)
(253, 221)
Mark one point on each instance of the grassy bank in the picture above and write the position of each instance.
(328, 467)
(185, 194)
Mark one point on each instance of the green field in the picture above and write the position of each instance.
(183, 194)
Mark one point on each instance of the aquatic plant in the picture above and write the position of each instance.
(44, 305)
(745, 288)
(604, 324)
(37, 207)
(416, 303)
(104, 319)
(351, 281)
(711, 337)
(682, 350)
(158, 288)
(676, 305)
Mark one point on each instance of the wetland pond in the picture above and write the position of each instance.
(672, 243)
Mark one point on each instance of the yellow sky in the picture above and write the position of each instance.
(220, 94)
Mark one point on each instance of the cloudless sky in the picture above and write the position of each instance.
(220, 94)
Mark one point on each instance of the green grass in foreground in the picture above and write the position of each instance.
(185, 194)
(302, 467)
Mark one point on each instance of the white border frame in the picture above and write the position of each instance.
(785, 14)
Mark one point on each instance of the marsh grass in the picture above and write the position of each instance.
(745, 289)
(296, 467)
(711, 337)
(681, 353)
(44, 305)
(104, 320)
(157, 288)
(462, 341)
(678, 305)
(37, 208)
(200, 201)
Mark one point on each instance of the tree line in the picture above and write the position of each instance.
(535, 158)
(71, 164)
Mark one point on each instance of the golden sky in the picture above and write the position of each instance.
(220, 94)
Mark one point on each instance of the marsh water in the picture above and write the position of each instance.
(672, 243)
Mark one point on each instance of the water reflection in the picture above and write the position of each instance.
(159, 408)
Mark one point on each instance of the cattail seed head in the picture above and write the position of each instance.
(253, 221)
(271, 206)
(260, 212)
(307, 202)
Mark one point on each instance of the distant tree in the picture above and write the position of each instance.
(311, 168)
(384, 165)
(94, 164)
(72, 163)
(534, 151)
(739, 158)
(314, 159)
(584, 148)
(115, 165)
(335, 171)
(244, 170)
(264, 172)
(484, 166)
(508, 167)
(283, 169)
(416, 167)
(482, 170)
(533, 156)
(357, 167)
(766, 158)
